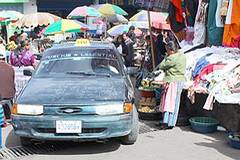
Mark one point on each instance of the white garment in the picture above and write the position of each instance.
(119, 49)
(219, 22)
(2, 50)
(199, 27)
(229, 13)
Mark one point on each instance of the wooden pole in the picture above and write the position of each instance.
(151, 38)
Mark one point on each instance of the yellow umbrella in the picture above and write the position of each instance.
(110, 9)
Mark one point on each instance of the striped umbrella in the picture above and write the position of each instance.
(65, 25)
(110, 9)
(11, 15)
(84, 11)
(35, 19)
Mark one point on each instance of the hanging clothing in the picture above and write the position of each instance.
(219, 18)
(200, 23)
(224, 8)
(191, 12)
(176, 26)
(178, 10)
(232, 26)
(214, 33)
(171, 102)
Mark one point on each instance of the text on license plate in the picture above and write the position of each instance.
(68, 126)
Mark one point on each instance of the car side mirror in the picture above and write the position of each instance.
(27, 72)
(131, 71)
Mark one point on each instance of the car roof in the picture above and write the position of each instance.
(93, 44)
(71, 45)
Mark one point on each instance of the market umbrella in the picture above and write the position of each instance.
(116, 19)
(65, 25)
(84, 11)
(158, 20)
(11, 15)
(120, 29)
(155, 16)
(110, 9)
(145, 25)
(35, 19)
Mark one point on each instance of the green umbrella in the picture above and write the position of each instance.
(65, 25)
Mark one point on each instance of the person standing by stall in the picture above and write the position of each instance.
(174, 66)
(7, 84)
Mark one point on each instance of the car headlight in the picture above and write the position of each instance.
(27, 109)
(110, 109)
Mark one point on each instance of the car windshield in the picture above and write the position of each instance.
(84, 62)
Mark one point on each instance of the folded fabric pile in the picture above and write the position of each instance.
(216, 71)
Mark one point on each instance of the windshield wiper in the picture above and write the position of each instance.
(88, 73)
(80, 73)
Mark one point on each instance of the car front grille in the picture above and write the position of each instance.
(84, 130)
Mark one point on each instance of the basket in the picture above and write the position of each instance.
(234, 143)
(147, 94)
(203, 124)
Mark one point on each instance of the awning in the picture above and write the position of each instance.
(14, 1)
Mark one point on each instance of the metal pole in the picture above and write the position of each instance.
(151, 38)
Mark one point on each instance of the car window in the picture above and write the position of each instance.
(84, 62)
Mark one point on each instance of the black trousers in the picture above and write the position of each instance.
(6, 109)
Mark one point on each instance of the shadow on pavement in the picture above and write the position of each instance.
(217, 141)
(83, 148)
(64, 148)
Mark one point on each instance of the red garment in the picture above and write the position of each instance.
(178, 9)
(207, 70)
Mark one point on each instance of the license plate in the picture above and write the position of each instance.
(68, 126)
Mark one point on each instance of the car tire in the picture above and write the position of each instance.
(26, 141)
(132, 137)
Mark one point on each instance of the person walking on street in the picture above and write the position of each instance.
(131, 34)
(130, 56)
(121, 47)
(7, 84)
(174, 66)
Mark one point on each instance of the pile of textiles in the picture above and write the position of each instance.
(215, 71)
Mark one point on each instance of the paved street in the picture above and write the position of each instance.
(180, 143)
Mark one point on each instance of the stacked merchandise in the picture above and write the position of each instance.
(214, 71)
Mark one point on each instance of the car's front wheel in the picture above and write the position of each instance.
(132, 137)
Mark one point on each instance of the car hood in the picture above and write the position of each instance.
(73, 91)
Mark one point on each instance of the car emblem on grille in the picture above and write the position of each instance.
(68, 111)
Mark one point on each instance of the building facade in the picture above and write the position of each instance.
(23, 6)
(59, 7)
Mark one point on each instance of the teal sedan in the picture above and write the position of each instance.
(79, 92)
